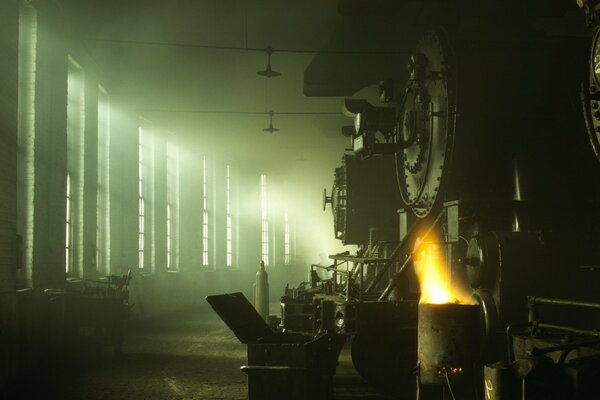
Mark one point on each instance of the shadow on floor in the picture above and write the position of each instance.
(188, 355)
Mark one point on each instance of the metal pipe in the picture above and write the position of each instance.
(560, 302)
(362, 282)
(568, 329)
(535, 351)
(509, 340)
(394, 256)
(340, 271)
(396, 278)
(335, 264)
(533, 302)
(355, 268)
(387, 265)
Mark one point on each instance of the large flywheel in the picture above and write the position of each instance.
(427, 124)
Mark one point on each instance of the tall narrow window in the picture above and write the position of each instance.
(286, 239)
(75, 163)
(68, 228)
(229, 226)
(141, 205)
(26, 137)
(205, 254)
(172, 207)
(103, 191)
(264, 219)
(169, 237)
(169, 211)
(146, 197)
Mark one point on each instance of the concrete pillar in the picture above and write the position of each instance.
(51, 152)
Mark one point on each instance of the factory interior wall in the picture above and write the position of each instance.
(9, 28)
(32, 326)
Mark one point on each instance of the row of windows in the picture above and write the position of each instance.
(75, 173)
(75, 184)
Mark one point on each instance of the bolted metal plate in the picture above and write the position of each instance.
(590, 96)
(427, 125)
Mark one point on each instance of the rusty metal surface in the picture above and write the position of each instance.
(448, 341)
(500, 382)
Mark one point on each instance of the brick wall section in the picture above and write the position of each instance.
(9, 34)
(51, 155)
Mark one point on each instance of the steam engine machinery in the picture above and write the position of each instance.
(472, 191)
(482, 157)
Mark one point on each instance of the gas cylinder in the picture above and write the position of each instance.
(261, 292)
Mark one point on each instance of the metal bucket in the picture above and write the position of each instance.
(448, 342)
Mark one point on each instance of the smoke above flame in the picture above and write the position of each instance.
(434, 277)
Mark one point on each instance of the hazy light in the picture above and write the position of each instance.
(75, 163)
(204, 214)
(103, 190)
(141, 202)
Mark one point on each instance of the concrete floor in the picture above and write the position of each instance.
(190, 355)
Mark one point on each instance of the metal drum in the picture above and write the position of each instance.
(448, 342)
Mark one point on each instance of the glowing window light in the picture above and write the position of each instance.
(141, 202)
(103, 189)
(264, 219)
(204, 215)
(172, 207)
(68, 227)
(169, 237)
(75, 162)
(229, 227)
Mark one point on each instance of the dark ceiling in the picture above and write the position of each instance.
(161, 80)
(166, 82)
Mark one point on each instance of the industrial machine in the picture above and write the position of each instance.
(482, 156)
(491, 164)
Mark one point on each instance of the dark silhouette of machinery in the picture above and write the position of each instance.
(489, 149)
(481, 151)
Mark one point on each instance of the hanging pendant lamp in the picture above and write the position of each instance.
(268, 72)
(271, 129)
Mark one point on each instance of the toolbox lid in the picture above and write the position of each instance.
(240, 316)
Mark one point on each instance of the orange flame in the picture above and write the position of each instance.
(435, 280)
